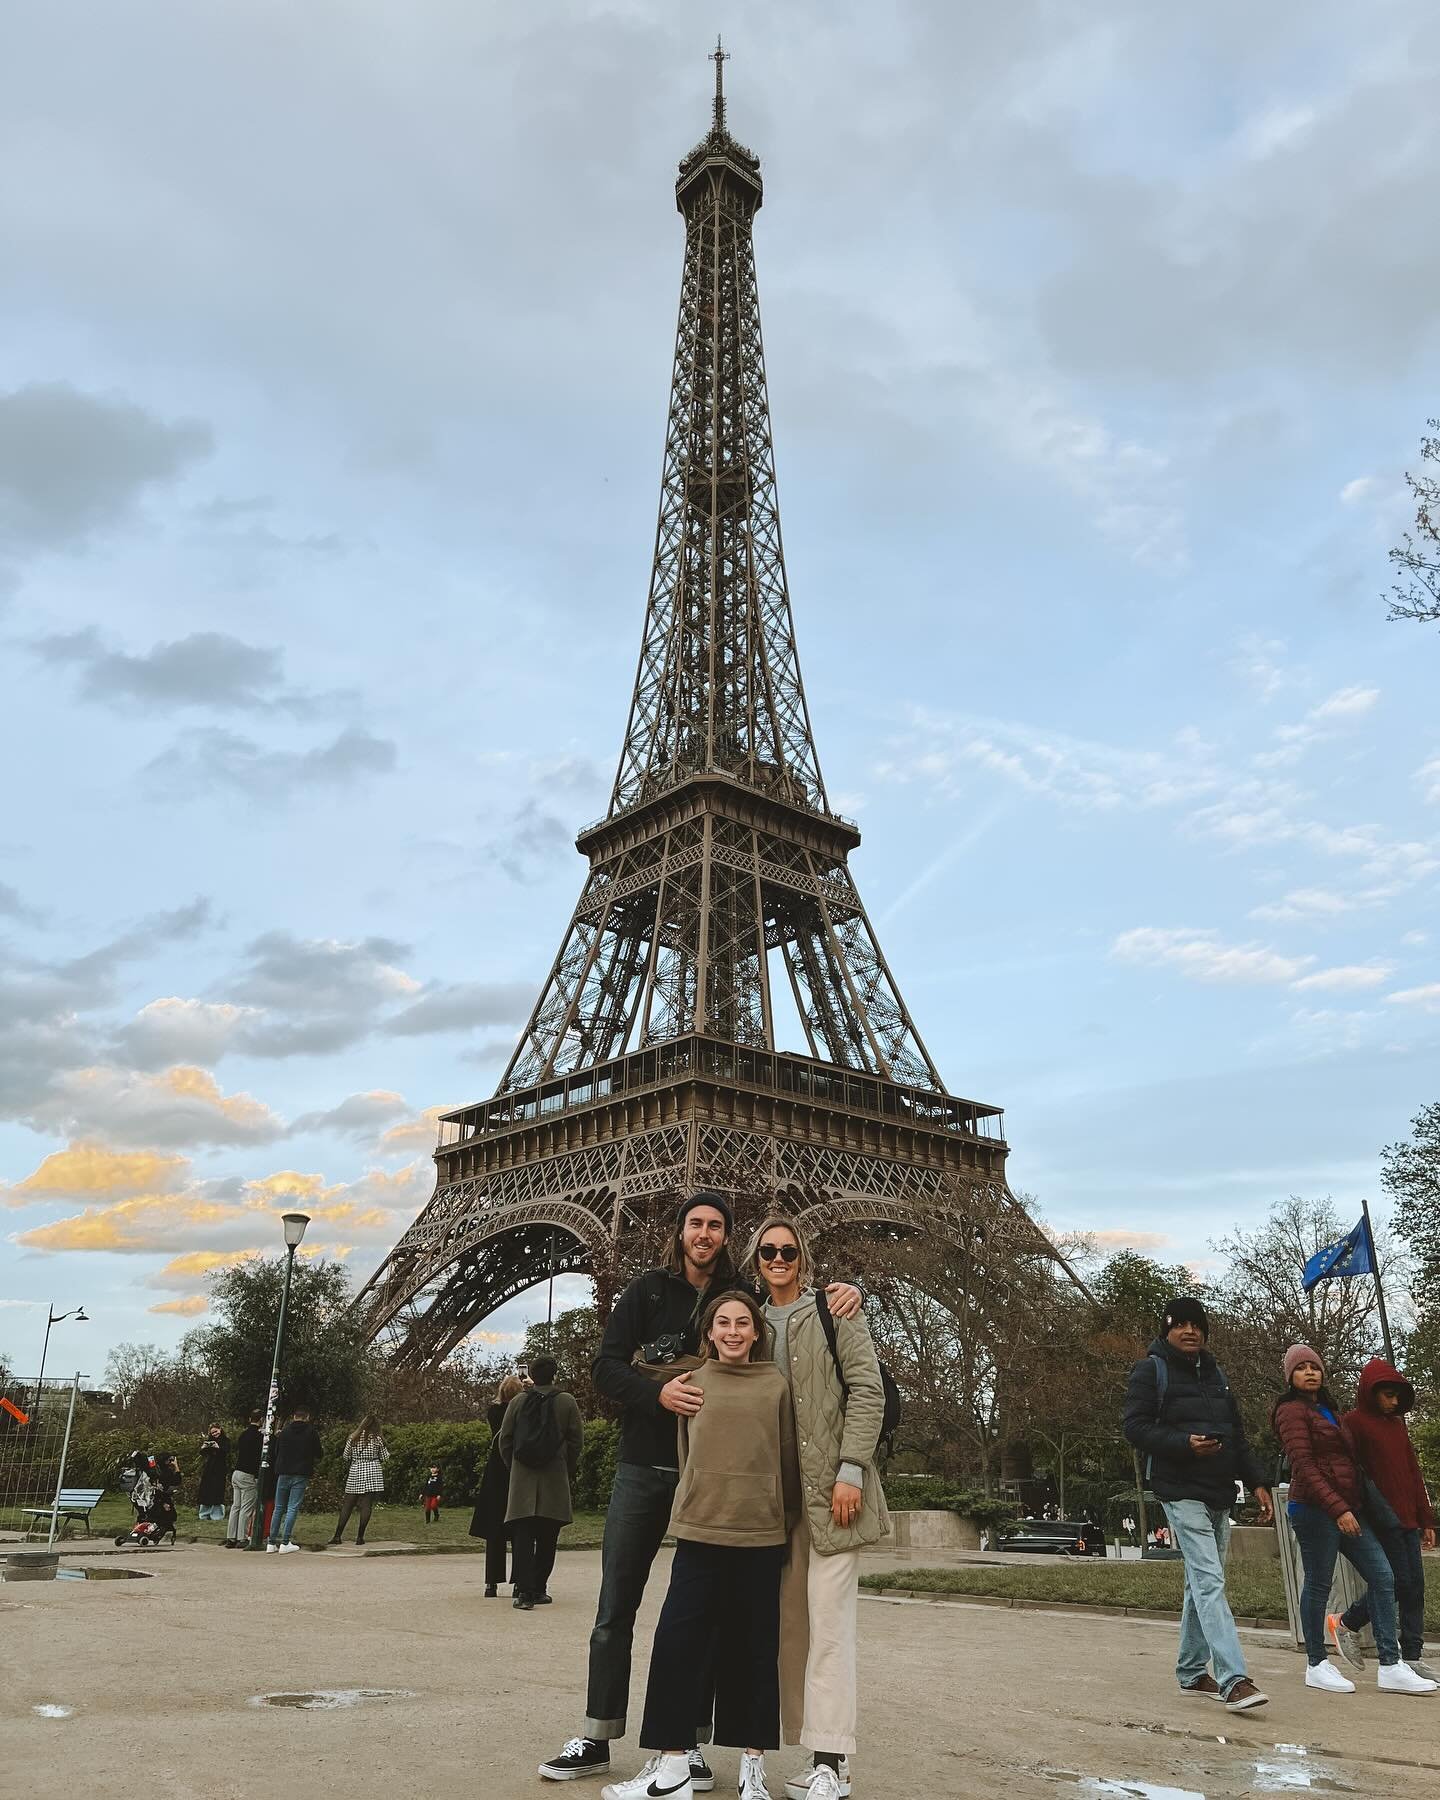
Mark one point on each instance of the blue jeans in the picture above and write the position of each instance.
(1402, 1548)
(1320, 1539)
(1207, 1626)
(289, 1492)
(636, 1519)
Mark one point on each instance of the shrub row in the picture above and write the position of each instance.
(459, 1446)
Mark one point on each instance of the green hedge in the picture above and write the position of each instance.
(459, 1446)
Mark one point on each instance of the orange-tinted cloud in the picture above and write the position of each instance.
(1121, 1237)
(92, 1168)
(147, 1222)
(187, 1307)
(180, 1106)
(194, 1265)
(421, 1133)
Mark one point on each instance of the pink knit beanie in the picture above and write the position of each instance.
(1301, 1353)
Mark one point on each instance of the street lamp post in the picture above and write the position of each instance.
(54, 1318)
(294, 1224)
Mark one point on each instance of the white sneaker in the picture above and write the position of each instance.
(1400, 1678)
(272, 1549)
(288, 1549)
(824, 1784)
(798, 1786)
(752, 1778)
(662, 1778)
(1324, 1675)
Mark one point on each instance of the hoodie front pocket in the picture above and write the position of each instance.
(727, 1501)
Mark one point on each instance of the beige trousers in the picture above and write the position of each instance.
(819, 1603)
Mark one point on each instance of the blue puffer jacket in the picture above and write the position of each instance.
(1198, 1403)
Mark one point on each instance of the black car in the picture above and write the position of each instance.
(1055, 1537)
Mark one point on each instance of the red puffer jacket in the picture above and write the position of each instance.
(1324, 1467)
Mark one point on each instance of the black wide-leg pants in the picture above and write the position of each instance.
(728, 1597)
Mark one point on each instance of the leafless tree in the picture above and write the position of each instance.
(1416, 595)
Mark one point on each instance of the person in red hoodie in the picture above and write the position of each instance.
(1382, 1443)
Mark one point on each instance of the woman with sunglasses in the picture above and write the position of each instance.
(839, 1412)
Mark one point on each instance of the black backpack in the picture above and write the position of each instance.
(894, 1408)
(537, 1440)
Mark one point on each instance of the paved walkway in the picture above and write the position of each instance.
(959, 1701)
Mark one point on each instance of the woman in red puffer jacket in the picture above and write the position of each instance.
(1327, 1515)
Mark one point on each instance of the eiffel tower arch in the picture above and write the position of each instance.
(718, 894)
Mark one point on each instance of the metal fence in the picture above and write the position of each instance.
(37, 1420)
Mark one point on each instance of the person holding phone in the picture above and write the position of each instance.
(1182, 1418)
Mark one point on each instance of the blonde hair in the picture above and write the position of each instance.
(805, 1266)
(508, 1389)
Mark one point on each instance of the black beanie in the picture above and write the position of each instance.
(718, 1201)
(1184, 1309)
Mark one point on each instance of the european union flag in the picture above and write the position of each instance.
(1353, 1255)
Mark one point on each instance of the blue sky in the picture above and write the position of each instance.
(333, 376)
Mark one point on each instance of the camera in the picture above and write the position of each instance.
(665, 1349)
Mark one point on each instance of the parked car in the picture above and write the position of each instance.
(1055, 1537)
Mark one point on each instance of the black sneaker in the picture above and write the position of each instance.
(702, 1776)
(543, 1599)
(523, 1603)
(581, 1756)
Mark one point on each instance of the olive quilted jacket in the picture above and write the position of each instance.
(828, 1431)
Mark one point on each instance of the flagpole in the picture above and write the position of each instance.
(1379, 1289)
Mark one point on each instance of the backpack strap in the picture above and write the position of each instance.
(1162, 1387)
(827, 1325)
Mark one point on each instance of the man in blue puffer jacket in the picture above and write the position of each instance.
(1182, 1418)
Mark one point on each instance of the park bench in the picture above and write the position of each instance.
(72, 1503)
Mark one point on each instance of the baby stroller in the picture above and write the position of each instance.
(153, 1499)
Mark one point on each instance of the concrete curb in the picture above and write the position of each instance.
(943, 1597)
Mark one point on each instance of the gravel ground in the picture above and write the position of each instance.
(973, 1702)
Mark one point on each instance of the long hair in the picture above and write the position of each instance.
(723, 1273)
(366, 1432)
(805, 1267)
(762, 1331)
(1321, 1397)
(508, 1389)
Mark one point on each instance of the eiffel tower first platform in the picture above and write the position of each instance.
(718, 889)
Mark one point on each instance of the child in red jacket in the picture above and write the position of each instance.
(1382, 1442)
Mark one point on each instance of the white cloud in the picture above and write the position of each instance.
(1345, 979)
(1359, 489)
(1427, 778)
(1201, 956)
(1306, 903)
(1427, 997)
(1337, 710)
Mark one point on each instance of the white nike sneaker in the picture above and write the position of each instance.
(798, 1786)
(824, 1784)
(752, 1778)
(289, 1549)
(1325, 1675)
(662, 1778)
(1400, 1678)
(272, 1549)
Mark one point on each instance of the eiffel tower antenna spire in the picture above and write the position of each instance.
(719, 56)
(718, 925)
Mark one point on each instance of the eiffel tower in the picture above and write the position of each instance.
(718, 891)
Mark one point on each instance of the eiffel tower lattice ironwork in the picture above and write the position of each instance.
(718, 890)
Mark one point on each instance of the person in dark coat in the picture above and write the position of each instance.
(488, 1519)
(214, 1468)
(539, 1499)
(1182, 1418)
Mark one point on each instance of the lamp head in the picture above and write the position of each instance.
(294, 1224)
(81, 1315)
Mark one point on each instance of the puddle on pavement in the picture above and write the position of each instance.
(1121, 1790)
(1295, 1774)
(330, 1699)
(54, 1712)
(9, 1572)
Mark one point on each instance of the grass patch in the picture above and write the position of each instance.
(388, 1524)
(1254, 1592)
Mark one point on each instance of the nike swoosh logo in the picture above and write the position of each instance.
(658, 1793)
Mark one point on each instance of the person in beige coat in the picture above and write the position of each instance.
(539, 1499)
(838, 1418)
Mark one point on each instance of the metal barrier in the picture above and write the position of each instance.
(1345, 1589)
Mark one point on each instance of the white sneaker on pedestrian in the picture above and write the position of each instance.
(662, 1778)
(272, 1549)
(702, 1776)
(1400, 1678)
(1323, 1675)
(752, 1778)
(288, 1549)
(824, 1784)
(798, 1786)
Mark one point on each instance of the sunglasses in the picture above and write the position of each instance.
(786, 1252)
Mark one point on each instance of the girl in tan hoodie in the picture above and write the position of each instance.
(739, 1495)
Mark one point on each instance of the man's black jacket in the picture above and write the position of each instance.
(1197, 1401)
(656, 1304)
(297, 1449)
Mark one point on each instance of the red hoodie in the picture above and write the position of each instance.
(1385, 1449)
